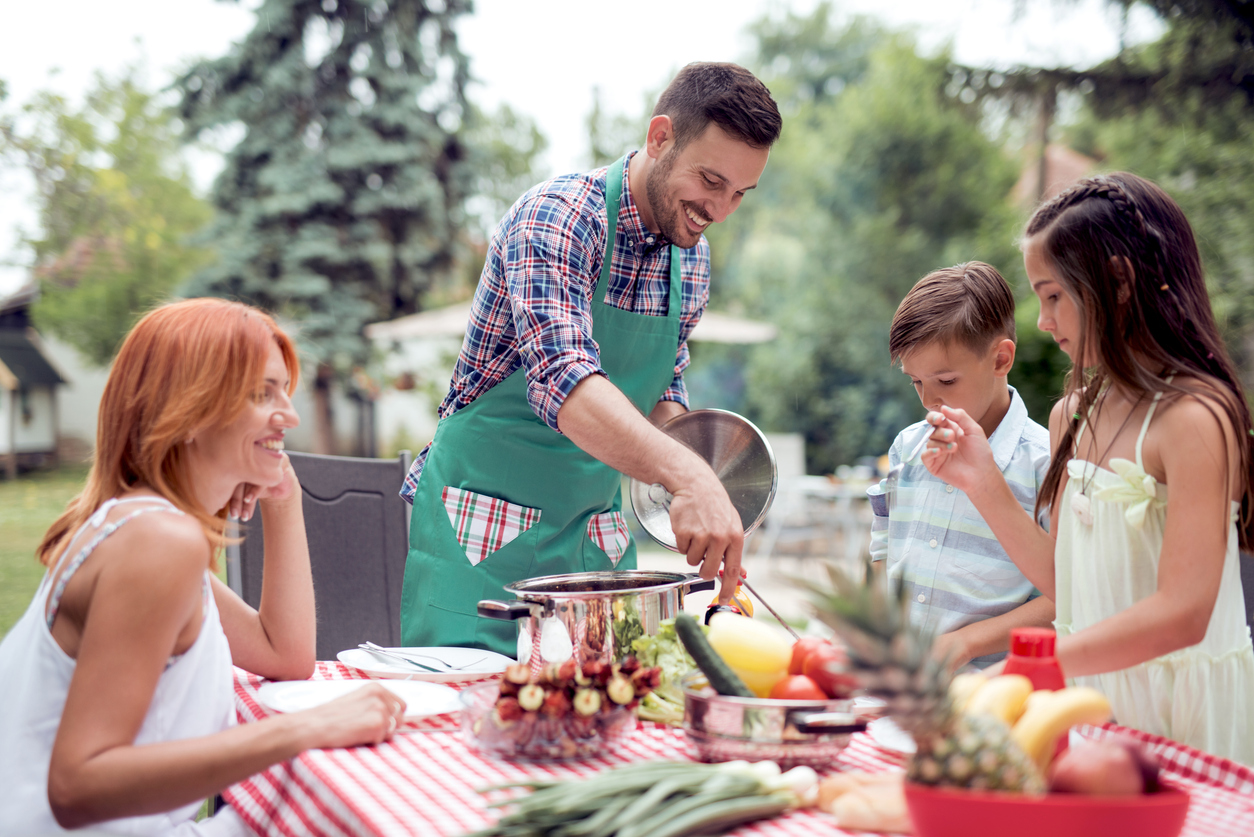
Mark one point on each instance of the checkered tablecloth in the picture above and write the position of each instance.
(424, 782)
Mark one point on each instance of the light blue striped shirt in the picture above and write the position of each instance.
(954, 570)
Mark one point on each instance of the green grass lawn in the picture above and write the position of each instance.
(28, 505)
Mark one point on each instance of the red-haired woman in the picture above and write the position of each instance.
(117, 701)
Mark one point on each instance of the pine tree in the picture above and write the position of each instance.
(343, 203)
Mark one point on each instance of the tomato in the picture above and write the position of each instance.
(827, 668)
(797, 687)
(803, 648)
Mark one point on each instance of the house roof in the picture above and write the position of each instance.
(21, 358)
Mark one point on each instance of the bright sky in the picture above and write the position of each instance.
(542, 57)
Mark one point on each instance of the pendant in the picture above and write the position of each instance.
(1083, 508)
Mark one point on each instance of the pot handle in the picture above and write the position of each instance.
(831, 723)
(505, 611)
(695, 583)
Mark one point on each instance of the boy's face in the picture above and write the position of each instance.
(952, 375)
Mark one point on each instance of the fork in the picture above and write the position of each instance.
(894, 475)
(370, 646)
(383, 652)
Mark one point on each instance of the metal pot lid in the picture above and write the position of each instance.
(738, 453)
(593, 584)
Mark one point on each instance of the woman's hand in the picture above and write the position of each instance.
(246, 495)
(367, 715)
(963, 457)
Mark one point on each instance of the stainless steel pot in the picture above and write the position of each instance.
(790, 732)
(590, 616)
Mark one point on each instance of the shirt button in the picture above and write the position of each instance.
(922, 598)
(949, 489)
(932, 543)
(649, 240)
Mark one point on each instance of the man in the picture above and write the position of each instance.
(578, 329)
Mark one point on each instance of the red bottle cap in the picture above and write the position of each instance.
(1032, 642)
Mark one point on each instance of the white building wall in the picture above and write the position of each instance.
(78, 400)
(6, 409)
(36, 424)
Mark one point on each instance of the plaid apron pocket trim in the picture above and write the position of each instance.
(484, 524)
(609, 532)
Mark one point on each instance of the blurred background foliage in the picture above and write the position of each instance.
(364, 183)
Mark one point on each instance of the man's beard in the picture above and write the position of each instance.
(666, 212)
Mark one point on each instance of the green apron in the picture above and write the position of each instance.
(496, 446)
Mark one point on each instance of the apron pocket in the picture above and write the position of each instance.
(609, 532)
(484, 524)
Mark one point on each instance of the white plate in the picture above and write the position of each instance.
(887, 734)
(421, 699)
(479, 664)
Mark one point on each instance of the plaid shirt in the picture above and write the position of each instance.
(532, 307)
(954, 570)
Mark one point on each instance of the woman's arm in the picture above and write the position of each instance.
(278, 639)
(146, 595)
(992, 635)
(1192, 447)
(969, 466)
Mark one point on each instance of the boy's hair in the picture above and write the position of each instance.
(968, 303)
(727, 95)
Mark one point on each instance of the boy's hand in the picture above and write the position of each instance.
(962, 456)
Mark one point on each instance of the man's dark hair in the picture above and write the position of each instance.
(727, 95)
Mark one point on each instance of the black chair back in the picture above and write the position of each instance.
(358, 530)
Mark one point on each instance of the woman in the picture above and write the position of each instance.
(118, 703)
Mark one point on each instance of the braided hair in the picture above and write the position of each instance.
(1126, 254)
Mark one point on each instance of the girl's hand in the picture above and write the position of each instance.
(367, 715)
(963, 457)
(244, 499)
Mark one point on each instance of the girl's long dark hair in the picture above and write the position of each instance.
(1160, 321)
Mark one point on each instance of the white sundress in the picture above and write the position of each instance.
(1106, 560)
(194, 697)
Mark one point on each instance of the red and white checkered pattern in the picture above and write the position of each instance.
(484, 524)
(609, 532)
(425, 783)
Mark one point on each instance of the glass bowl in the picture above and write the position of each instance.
(535, 736)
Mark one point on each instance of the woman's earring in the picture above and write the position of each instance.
(189, 440)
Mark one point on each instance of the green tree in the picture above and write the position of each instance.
(343, 203)
(880, 176)
(115, 206)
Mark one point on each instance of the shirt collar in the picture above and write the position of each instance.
(638, 235)
(1005, 439)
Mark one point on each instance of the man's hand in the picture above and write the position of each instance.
(602, 421)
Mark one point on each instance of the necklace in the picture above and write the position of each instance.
(1081, 503)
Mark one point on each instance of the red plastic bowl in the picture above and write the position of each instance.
(946, 812)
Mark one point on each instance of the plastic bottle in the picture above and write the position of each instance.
(1032, 655)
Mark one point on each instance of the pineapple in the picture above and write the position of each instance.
(892, 661)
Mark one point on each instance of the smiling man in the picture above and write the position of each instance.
(573, 356)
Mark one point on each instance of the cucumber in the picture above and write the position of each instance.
(721, 677)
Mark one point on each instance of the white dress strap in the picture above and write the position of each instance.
(1149, 414)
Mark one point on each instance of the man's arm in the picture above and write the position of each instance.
(664, 411)
(992, 636)
(604, 423)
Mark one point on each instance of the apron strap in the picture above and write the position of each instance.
(613, 198)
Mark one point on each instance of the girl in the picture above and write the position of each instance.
(117, 704)
(1150, 484)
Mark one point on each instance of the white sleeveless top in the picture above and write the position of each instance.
(1106, 560)
(194, 697)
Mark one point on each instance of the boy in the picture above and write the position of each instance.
(954, 335)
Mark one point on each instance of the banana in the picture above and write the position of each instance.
(963, 686)
(1002, 696)
(1049, 717)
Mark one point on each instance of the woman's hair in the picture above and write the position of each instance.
(1140, 331)
(969, 303)
(184, 367)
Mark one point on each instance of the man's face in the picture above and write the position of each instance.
(701, 183)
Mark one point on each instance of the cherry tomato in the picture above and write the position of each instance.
(797, 687)
(828, 670)
(803, 648)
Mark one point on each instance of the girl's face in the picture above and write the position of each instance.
(1060, 315)
(250, 448)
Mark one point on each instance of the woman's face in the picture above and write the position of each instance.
(1060, 315)
(250, 448)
